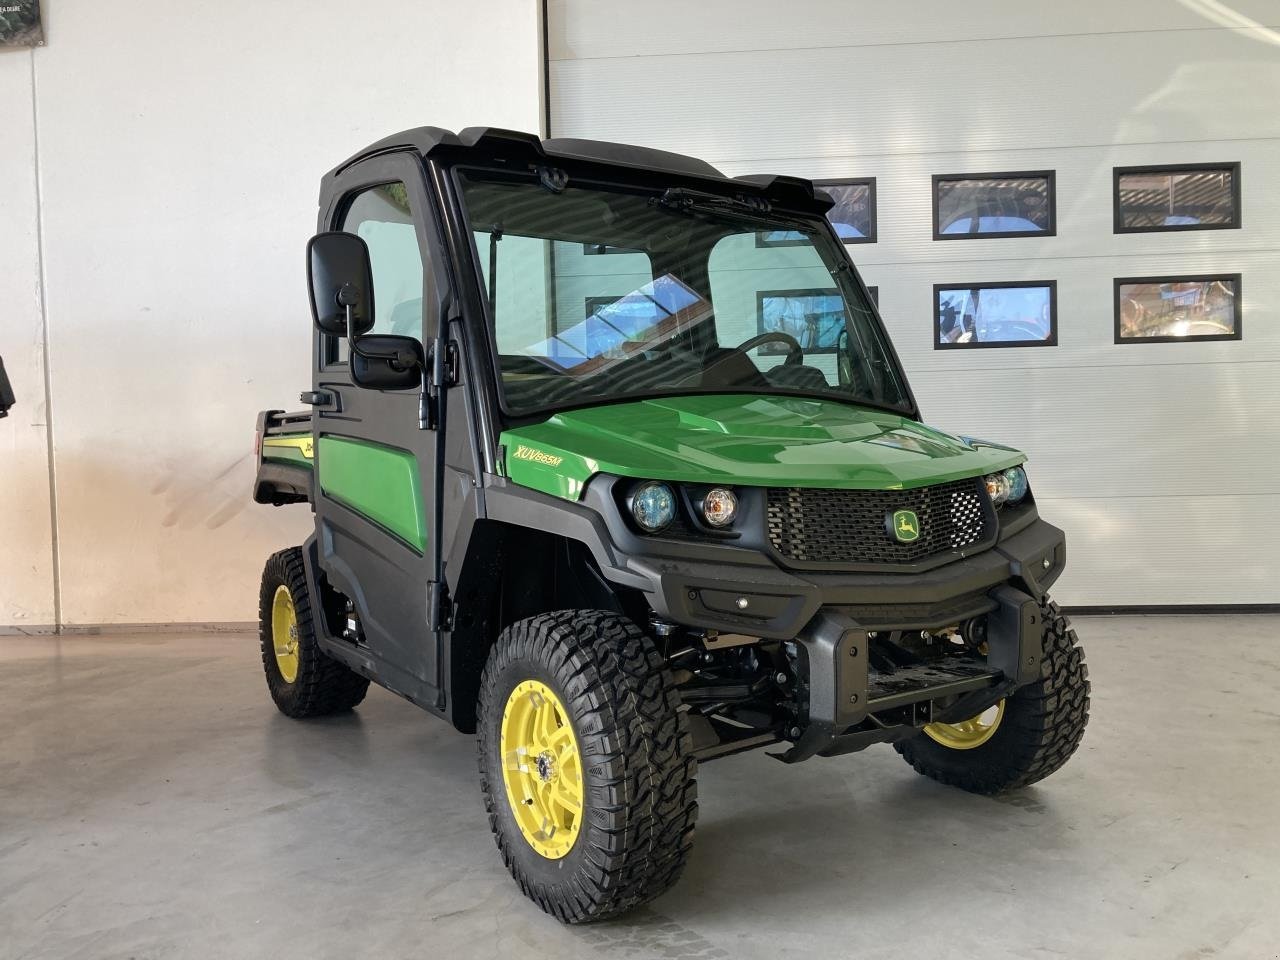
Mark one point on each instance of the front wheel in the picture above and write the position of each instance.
(585, 764)
(1022, 739)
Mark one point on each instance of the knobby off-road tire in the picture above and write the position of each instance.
(638, 788)
(1041, 728)
(320, 686)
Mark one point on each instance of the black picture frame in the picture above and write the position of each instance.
(1050, 341)
(763, 295)
(1051, 197)
(1117, 219)
(868, 182)
(1237, 306)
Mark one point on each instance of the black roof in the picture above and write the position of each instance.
(495, 141)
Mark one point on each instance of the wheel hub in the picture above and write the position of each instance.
(284, 633)
(967, 734)
(542, 769)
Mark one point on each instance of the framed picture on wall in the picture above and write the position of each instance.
(814, 317)
(984, 205)
(1178, 309)
(853, 217)
(20, 23)
(1021, 313)
(1157, 199)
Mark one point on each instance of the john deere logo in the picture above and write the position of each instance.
(905, 526)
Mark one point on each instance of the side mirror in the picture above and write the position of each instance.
(341, 279)
(387, 362)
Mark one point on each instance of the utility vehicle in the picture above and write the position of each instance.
(606, 473)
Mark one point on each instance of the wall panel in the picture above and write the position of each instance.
(1160, 460)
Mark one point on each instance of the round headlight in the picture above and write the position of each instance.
(1017, 478)
(997, 488)
(719, 507)
(653, 504)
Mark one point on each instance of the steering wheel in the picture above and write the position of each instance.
(795, 352)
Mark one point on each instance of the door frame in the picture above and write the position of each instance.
(400, 650)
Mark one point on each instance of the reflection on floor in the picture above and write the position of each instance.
(154, 804)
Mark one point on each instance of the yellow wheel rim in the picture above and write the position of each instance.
(970, 733)
(541, 769)
(284, 633)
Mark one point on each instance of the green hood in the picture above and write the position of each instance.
(743, 440)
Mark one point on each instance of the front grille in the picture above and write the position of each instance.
(850, 526)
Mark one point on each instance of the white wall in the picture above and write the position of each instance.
(26, 549)
(1160, 460)
(180, 151)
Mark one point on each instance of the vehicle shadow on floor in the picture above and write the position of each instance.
(853, 846)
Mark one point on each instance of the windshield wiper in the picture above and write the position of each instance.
(737, 209)
(687, 198)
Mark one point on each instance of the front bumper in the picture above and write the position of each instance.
(832, 617)
(779, 603)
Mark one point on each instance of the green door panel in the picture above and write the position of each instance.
(743, 439)
(381, 483)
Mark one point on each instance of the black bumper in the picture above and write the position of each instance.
(779, 603)
(832, 616)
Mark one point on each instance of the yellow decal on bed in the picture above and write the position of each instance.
(305, 445)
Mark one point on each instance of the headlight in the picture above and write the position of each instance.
(1007, 486)
(1017, 478)
(653, 504)
(997, 488)
(719, 507)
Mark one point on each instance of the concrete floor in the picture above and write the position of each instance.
(153, 803)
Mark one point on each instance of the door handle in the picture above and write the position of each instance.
(316, 398)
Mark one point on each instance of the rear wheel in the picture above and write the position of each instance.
(1022, 739)
(302, 680)
(585, 764)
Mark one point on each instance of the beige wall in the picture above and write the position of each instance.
(26, 551)
(180, 151)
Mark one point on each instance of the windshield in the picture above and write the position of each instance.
(603, 293)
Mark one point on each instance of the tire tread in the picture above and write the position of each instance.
(323, 686)
(634, 739)
(1047, 724)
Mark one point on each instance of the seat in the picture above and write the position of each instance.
(797, 375)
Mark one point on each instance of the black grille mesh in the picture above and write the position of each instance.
(848, 526)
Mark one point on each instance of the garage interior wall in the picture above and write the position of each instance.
(158, 182)
(1159, 459)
